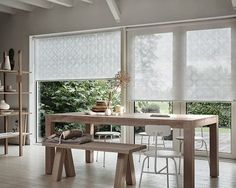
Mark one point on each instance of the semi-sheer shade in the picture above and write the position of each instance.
(82, 56)
(183, 63)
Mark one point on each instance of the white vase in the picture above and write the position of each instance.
(108, 112)
(7, 64)
(4, 105)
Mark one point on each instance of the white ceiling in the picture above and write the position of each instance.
(16, 6)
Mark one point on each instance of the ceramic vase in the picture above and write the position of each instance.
(4, 105)
(7, 64)
(108, 112)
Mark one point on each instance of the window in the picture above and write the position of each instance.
(185, 63)
(223, 110)
(151, 76)
(81, 56)
(182, 63)
(208, 65)
(70, 71)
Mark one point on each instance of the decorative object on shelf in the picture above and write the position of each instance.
(1, 87)
(11, 57)
(4, 105)
(119, 109)
(108, 112)
(7, 65)
(100, 106)
(10, 89)
(14, 129)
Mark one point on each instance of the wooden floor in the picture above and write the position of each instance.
(28, 172)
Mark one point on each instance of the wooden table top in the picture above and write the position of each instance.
(136, 119)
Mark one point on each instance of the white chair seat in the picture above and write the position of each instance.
(107, 133)
(196, 138)
(163, 153)
(143, 134)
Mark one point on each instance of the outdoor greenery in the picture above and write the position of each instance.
(79, 96)
(72, 96)
(223, 110)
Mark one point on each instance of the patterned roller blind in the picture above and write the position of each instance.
(191, 63)
(82, 56)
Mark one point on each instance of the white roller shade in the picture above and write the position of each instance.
(152, 66)
(208, 65)
(82, 56)
(183, 62)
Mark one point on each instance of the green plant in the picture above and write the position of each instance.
(223, 110)
(71, 96)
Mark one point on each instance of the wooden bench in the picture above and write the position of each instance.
(125, 173)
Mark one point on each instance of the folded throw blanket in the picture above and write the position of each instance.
(70, 136)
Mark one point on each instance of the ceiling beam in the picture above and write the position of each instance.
(66, 3)
(37, 3)
(234, 3)
(7, 10)
(87, 1)
(16, 5)
(112, 4)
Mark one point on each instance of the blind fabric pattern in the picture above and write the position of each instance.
(208, 72)
(188, 64)
(152, 70)
(82, 56)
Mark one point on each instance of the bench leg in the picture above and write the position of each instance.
(130, 173)
(69, 164)
(58, 164)
(49, 159)
(121, 168)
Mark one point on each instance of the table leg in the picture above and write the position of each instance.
(89, 158)
(49, 152)
(214, 160)
(130, 173)
(189, 157)
(121, 168)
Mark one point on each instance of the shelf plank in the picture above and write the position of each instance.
(14, 92)
(14, 71)
(14, 113)
(11, 135)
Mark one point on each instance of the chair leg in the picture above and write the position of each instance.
(141, 175)
(99, 137)
(148, 149)
(167, 172)
(207, 154)
(176, 173)
(140, 151)
(180, 150)
(104, 155)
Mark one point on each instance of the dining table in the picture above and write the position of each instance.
(187, 122)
